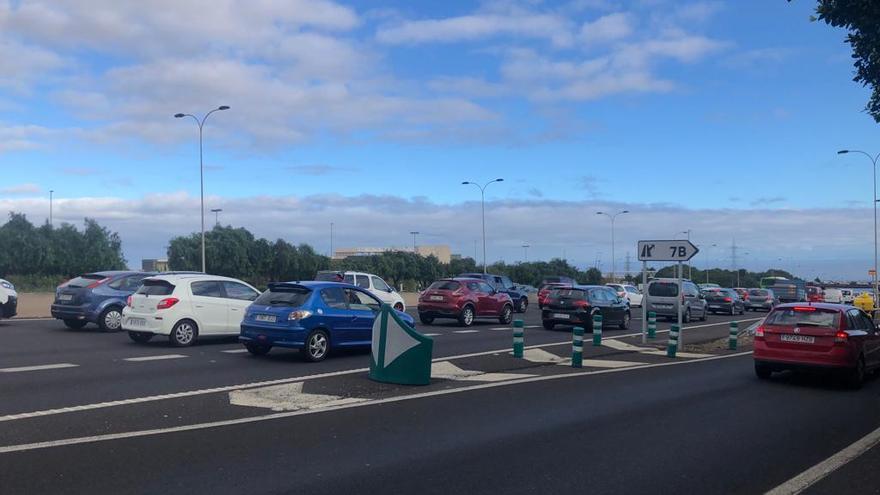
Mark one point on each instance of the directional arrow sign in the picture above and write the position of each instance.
(681, 250)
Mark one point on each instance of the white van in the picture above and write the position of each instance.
(834, 296)
(372, 283)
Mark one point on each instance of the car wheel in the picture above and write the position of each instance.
(140, 337)
(705, 315)
(427, 320)
(506, 315)
(549, 325)
(399, 307)
(258, 349)
(110, 320)
(762, 372)
(742, 311)
(732, 310)
(856, 378)
(687, 316)
(466, 318)
(624, 325)
(523, 305)
(183, 334)
(75, 324)
(317, 346)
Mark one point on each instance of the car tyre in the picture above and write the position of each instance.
(548, 325)
(75, 324)
(466, 318)
(506, 315)
(258, 349)
(523, 305)
(184, 333)
(317, 346)
(624, 325)
(742, 311)
(425, 319)
(140, 337)
(856, 377)
(705, 315)
(763, 372)
(732, 310)
(687, 316)
(110, 319)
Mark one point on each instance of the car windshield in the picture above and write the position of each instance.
(283, 296)
(663, 289)
(445, 285)
(803, 317)
(758, 292)
(568, 293)
(84, 280)
(155, 288)
(329, 276)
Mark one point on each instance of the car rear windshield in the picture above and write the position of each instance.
(84, 280)
(663, 289)
(445, 285)
(329, 276)
(156, 288)
(283, 296)
(803, 317)
(569, 293)
(758, 292)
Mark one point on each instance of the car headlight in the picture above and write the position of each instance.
(7, 285)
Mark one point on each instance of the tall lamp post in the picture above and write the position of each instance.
(51, 193)
(201, 124)
(216, 212)
(612, 217)
(483, 209)
(526, 253)
(874, 160)
(414, 233)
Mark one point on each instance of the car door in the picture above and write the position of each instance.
(363, 307)
(381, 290)
(616, 306)
(210, 306)
(485, 294)
(337, 317)
(238, 298)
(872, 339)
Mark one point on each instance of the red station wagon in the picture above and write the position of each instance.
(817, 336)
(464, 299)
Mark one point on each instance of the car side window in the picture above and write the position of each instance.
(631, 290)
(334, 297)
(598, 295)
(207, 288)
(235, 290)
(360, 301)
(484, 287)
(506, 282)
(611, 295)
(348, 279)
(119, 284)
(853, 321)
(379, 284)
(867, 322)
(473, 286)
(363, 282)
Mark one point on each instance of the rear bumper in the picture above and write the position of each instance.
(9, 309)
(71, 312)
(759, 305)
(152, 324)
(838, 357)
(574, 318)
(293, 338)
(439, 310)
(722, 306)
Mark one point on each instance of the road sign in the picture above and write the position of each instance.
(681, 250)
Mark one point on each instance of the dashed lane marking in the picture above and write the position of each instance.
(161, 357)
(38, 368)
(432, 334)
(234, 351)
(465, 331)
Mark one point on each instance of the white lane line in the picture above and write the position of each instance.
(532, 326)
(465, 331)
(39, 367)
(432, 334)
(155, 358)
(234, 351)
(501, 328)
(257, 419)
(809, 477)
(227, 388)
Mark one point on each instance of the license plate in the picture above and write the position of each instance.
(137, 322)
(663, 305)
(800, 339)
(65, 297)
(266, 318)
(561, 316)
(436, 298)
(714, 306)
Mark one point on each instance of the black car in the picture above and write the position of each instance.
(724, 301)
(501, 283)
(761, 300)
(578, 304)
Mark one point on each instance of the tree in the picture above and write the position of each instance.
(860, 18)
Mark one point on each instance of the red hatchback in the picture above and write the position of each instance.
(464, 299)
(817, 336)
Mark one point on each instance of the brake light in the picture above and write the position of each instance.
(301, 314)
(728, 299)
(759, 332)
(804, 308)
(96, 283)
(582, 304)
(167, 303)
(840, 337)
(128, 301)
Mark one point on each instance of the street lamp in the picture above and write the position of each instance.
(874, 163)
(612, 217)
(526, 253)
(414, 233)
(216, 212)
(483, 209)
(201, 124)
(51, 192)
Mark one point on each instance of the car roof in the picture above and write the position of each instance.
(313, 284)
(182, 277)
(114, 273)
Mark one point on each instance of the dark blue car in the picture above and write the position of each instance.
(503, 284)
(96, 298)
(314, 317)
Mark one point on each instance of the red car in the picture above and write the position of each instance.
(464, 299)
(544, 292)
(817, 336)
(815, 294)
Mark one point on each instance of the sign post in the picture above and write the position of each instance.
(674, 250)
(644, 301)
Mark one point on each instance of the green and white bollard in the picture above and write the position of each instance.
(518, 342)
(672, 345)
(734, 335)
(577, 347)
(652, 325)
(597, 330)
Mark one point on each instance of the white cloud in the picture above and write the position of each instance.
(28, 188)
(611, 27)
(22, 137)
(519, 23)
(23, 65)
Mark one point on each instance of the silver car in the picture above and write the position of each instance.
(663, 299)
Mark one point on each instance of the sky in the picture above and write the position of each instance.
(718, 117)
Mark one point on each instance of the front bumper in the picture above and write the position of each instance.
(9, 309)
(72, 312)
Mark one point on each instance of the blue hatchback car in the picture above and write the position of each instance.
(96, 298)
(314, 317)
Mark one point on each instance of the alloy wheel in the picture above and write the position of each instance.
(317, 346)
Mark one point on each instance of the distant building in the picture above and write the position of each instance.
(154, 265)
(442, 252)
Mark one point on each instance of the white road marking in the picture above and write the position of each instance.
(286, 397)
(38, 367)
(432, 334)
(445, 370)
(532, 326)
(541, 356)
(495, 377)
(602, 363)
(502, 328)
(465, 331)
(256, 419)
(623, 346)
(155, 358)
(234, 351)
(809, 477)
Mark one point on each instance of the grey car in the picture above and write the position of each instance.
(663, 299)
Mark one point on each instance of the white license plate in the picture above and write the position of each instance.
(65, 297)
(800, 339)
(561, 316)
(137, 322)
(436, 298)
(714, 306)
(663, 305)
(266, 318)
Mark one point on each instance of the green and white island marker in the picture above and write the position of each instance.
(399, 354)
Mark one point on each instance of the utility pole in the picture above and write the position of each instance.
(414, 234)
(331, 240)
(733, 249)
(526, 253)
(51, 193)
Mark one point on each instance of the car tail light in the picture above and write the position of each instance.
(840, 337)
(167, 303)
(301, 314)
(128, 301)
(728, 299)
(759, 332)
(582, 304)
(804, 308)
(96, 283)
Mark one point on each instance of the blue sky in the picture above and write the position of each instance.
(719, 116)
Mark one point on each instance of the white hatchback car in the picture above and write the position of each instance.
(372, 283)
(185, 307)
(628, 292)
(8, 299)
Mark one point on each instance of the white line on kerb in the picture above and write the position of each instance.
(39, 367)
(155, 358)
(809, 477)
(257, 419)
